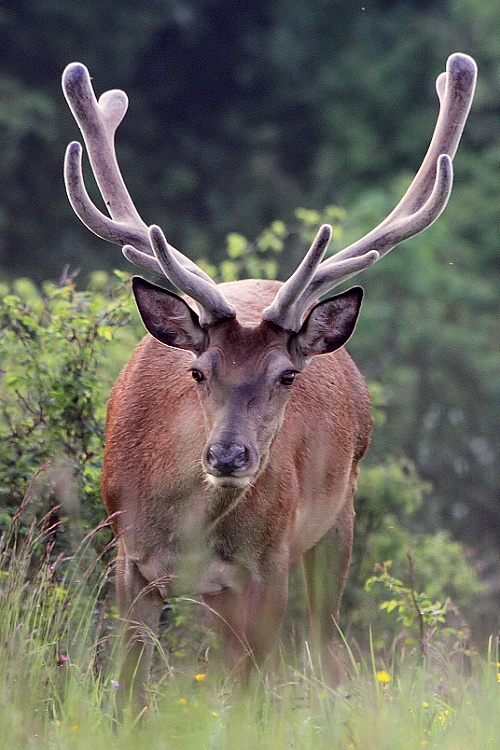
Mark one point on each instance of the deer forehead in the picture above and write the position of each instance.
(237, 352)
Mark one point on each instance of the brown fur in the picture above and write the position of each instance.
(180, 534)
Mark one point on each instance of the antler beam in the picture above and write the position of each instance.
(98, 121)
(421, 205)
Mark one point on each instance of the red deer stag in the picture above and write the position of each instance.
(232, 449)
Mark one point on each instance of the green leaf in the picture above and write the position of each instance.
(105, 332)
(237, 245)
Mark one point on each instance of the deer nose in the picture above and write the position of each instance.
(226, 459)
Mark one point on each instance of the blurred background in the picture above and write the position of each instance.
(242, 112)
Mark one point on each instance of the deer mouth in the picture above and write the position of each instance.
(230, 481)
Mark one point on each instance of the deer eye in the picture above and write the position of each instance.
(287, 377)
(197, 375)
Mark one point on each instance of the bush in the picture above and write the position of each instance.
(388, 500)
(53, 392)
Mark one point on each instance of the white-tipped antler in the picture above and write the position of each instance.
(421, 205)
(98, 121)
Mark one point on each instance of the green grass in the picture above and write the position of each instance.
(58, 665)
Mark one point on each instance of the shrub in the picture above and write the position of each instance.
(53, 391)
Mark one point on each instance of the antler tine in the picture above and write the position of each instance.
(106, 228)
(421, 205)
(388, 234)
(139, 250)
(98, 121)
(455, 90)
(149, 262)
(212, 303)
(290, 318)
(299, 280)
(335, 271)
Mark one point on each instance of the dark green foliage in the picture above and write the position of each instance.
(53, 393)
(390, 498)
(429, 334)
(239, 113)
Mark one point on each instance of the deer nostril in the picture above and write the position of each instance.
(240, 457)
(226, 459)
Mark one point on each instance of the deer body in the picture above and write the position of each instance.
(156, 434)
(181, 534)
(232, 448)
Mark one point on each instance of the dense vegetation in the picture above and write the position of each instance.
(246, 121)
(58, 674)
(240, 113)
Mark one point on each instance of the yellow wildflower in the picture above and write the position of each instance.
(383, 676)
(200, 677)
(183, 701)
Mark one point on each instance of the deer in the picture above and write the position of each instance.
(234, 433)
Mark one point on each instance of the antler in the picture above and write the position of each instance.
(421, 205)
(98, 121)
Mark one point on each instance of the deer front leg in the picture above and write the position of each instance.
(250, 622)
(140, 605)
(325, 571)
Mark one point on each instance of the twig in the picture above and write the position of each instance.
(423, 646)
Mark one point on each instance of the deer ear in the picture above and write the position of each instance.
(330, 323)
(167, 317)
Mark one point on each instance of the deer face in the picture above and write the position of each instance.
(244, 380)
(244, 375)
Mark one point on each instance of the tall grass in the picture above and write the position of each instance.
(58, 661)
(51, 635)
